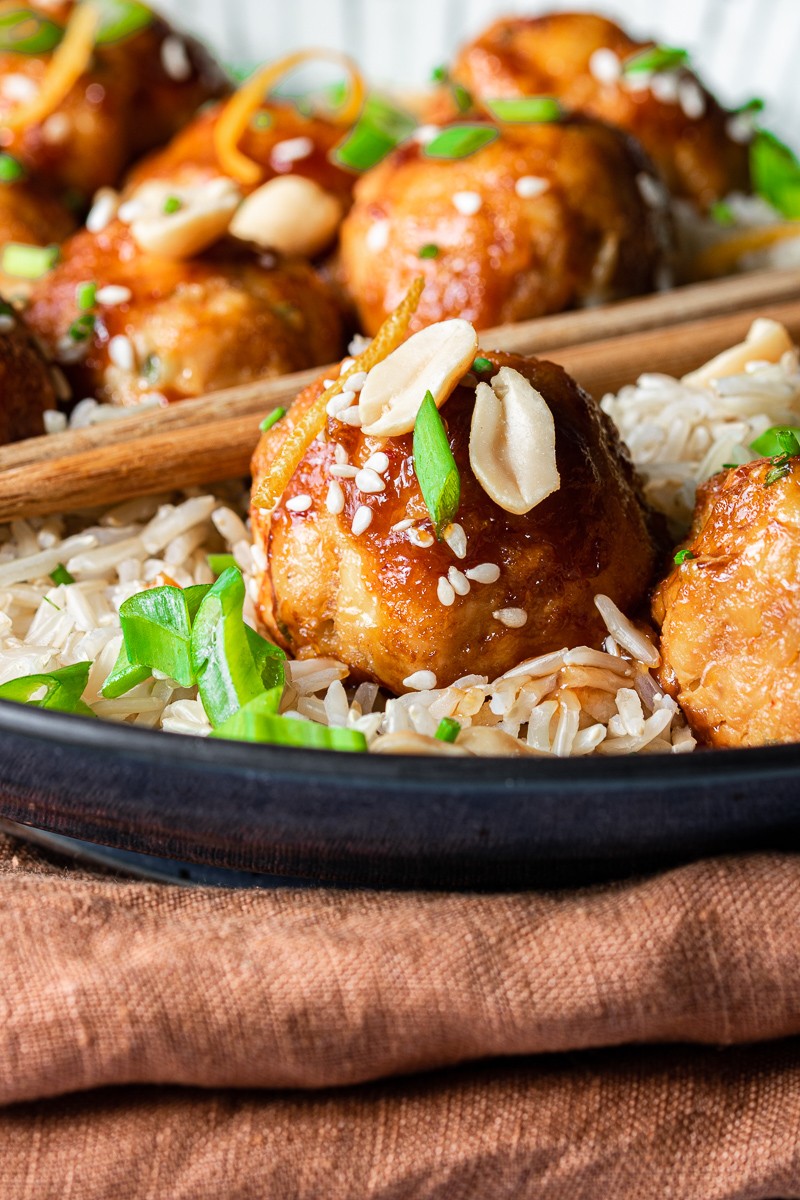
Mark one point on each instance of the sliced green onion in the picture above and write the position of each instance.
(11, 169)
(482, 365)
(779, 471)
(440, 74)
(533, 109)
(722, 213)
(462, 98)
(86, 296)
(82, 329)
(683, 556)
(380, 128)
(276, 415)
(256, 723)
(157, 627)
(776, 173)
(62, 689)
(26, 32)
(120, 19)
(28, 262)
(220, 562)
(435, 467)
(730, 466)
(172, 204)
(776, 440)
(61, 575)
(448, 730)
(460, 141)
(124, 676)
(428, 251)
(756, 105)
(656, 58)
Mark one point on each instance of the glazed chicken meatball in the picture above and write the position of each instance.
(359, 574)
(26, 384)
(546, 216)
(581, 58)
(176, 328)
(730, 613)
(136, 89)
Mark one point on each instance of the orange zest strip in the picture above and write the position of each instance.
(238, 112)
(70, 61)
(722, 258)
(391, 333)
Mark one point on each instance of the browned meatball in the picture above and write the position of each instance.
(685, 131)
(136, 92)
(26, 384)
(29, 217)
(546, 216)
(179, 328)
(730, 616)
(372, 599)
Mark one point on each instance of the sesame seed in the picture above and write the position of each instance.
(740, 128)
(402, 526)
(6, 323)
(456, 539)
(347, 363)
(19, 88)
(328, 383)
(339, 403)
(529, 186)
(122, 353)
(420, 681)
(445, 592)
(54, 421)
(351, 416)
(291, 150)
(356, 381)
(665, 87)
(340, 454)
(378, 236)
(425, 134)
(458, 581)
(638, 82)
(691, 99)
(650, 190)
(484, 573)
(70, 351)
(468, 203)
(129, 211)
(112, 295)
(361, 520)
(369, 481)
(56, 129)
(298, 504)
(605, 65)
(420, 537)
(175, 59)
(103, 210)
(343, 471)
(334, 501)
(514, 618)
(378, 462)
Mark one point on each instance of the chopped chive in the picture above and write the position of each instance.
(770, 443)
(276, 415)
(258, 721)
(448, 730)
(533, 109)
(481, 365)
(730, 466)
(656, 58)
(63, 689)
(779, 471)
(121, 19)
(25, 32)
(86, 296)
(28, 262)
(683, 556)
(776, 173)
(787, 440)
(83, 327)
(722, 213)
(440, 74)
(172, 204)
(11, 169)
(220, 562)
(428, 251)
(460, 141)
(462, 98)
(61, 575)
(434, 466)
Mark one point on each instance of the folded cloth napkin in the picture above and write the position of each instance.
(319, 997)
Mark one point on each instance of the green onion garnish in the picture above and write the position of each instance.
(428, 251)
(448, 730)
(262, 120)
(172, 204)
(61, 575)
(780, 439)
(756, 105)
(120, 19)
(380, 128)
(440, 74)
(86, 296)
(258, 722)
(62, 689)
(776, 173)
(26, 32)
(730, 466)
(28, 262)
(482, 365)
(683, 556)
(722, 213)
(462, 98)
(157, 628)
(435, 467)
(83, 327)
(220, 562)
(276, 415)
(656, 58)
(460, 141)
(779, 471)
(11, 169)
(534, 109)
(124, 676)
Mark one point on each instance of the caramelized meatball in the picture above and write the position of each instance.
(136, 93)
(677, 121)
(26, 383)
(372, 598)
(179, 328)
(32, 218)
(546, 216)
(730, 615)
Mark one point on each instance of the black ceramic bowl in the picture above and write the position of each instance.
(384, 821)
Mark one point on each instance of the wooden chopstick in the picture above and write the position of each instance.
(171, 454)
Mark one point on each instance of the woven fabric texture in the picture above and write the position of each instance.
(104, 982)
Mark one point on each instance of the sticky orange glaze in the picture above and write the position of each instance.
(371, 600)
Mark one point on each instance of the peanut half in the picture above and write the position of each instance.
(179, 222)
(290, 214)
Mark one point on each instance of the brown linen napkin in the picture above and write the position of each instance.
(108, 982)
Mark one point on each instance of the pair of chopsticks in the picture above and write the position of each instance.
(211, 439)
